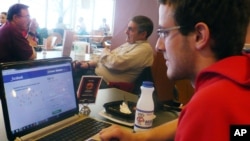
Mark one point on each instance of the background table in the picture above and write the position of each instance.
(57, 52)
(87, 37)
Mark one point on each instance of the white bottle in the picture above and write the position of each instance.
(144, 114)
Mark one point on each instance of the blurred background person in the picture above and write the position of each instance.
(60, 24)
(59, 30)
(81, 27)
(31, 33)
(3, 18)
(104, 27)
(14, 46)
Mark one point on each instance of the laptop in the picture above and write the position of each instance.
(38, 97)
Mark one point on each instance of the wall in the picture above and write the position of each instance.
(125, 10)
(185, 90)
(248, 35)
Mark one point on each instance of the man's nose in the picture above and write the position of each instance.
(160, 46)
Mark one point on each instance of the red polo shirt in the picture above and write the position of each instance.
(13, 45)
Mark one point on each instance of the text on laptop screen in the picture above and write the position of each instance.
(39, 94)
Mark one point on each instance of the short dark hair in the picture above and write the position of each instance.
(15, 10)
(227, 21)
(144, 24)
(5, 13)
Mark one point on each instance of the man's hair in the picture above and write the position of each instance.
(15, 10)
(5, 13)
(227, 21)
(144, 24)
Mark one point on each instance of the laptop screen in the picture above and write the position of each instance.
(37, 93)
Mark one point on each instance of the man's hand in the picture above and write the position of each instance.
(32, 41)
(115, 133)
(80, 64)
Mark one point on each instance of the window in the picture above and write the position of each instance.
(37, 10)
(94, 11)
(47, 12)
(6, 4)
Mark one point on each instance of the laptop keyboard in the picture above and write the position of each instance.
(79, 131)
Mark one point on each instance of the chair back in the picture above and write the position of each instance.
(135, 87)
(145, 75)
(51, 42)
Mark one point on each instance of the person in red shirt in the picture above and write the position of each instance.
(13, 45)
(202, 41)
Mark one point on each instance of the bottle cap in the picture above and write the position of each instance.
(147, 84)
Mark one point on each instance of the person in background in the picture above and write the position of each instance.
(3, 18)
(60, 24)
(81, 27)
(59, 30)
(104, 27)
(201, 42)
(14, 46)
(126, 62)
(31, 33)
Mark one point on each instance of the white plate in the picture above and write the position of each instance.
(116, 119)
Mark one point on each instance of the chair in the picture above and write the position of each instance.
(59, 39)
(51, 42)
(146, 75)
(135, 87)
(99, 38)
(125, 86)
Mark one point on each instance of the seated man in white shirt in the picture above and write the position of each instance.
(126, 62)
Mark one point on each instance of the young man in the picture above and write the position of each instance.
(201, 42)
(14, 46)
(126, 62)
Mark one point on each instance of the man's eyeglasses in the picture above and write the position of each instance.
(163, 33)
(27, 16)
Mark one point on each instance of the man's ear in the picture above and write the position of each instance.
(15, 17)
(143, 34)
(202, 35)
